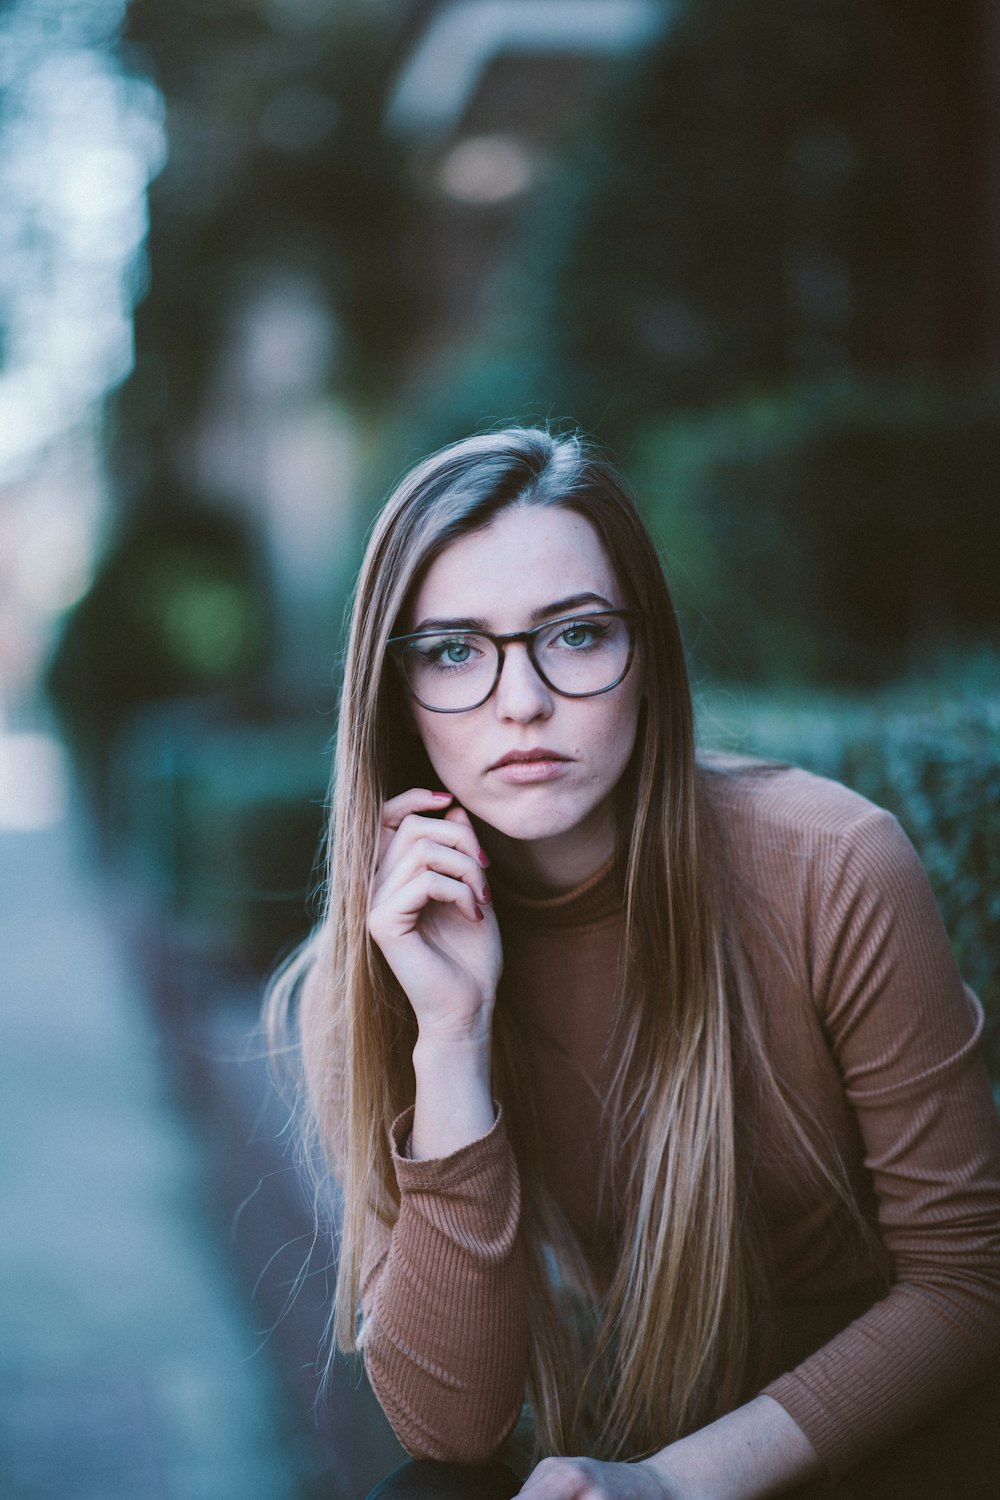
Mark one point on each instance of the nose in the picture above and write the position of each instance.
(521, 694)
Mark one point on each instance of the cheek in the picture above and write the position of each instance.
(444, 747)
(617, 734)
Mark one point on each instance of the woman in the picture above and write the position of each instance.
(679, 1130)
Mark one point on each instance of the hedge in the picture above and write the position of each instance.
(930, 758)
(842, 531)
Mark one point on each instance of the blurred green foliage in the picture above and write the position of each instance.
(835, 531)
(931, 755)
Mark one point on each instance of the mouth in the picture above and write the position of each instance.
(528, 767)
(527, 757)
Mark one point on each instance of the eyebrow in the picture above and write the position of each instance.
(544, 612)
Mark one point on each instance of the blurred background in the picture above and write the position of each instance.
(256, 257)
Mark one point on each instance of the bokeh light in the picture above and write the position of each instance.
(80, 138)
(79, 141)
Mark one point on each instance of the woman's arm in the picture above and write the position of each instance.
(904, 1032)
(443, 1332)
(453, 1101)
(754, 1451)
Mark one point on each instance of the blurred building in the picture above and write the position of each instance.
(481, 105)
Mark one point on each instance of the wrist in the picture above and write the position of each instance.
(454, 1102)
(458, 1037)
(668, 1484)
(755, 1450)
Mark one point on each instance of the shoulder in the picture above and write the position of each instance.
(837, 870)
(811, 849)
(769, 803)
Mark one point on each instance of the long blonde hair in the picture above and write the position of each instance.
(676, 1334)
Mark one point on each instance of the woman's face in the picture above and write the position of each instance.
(553, 815)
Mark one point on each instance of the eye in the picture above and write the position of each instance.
(454, 651)
(578, 635)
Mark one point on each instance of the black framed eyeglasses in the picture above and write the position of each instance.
(577, 656)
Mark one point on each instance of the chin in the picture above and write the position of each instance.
(530, 824)
(529, 830)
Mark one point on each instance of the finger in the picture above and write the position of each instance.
(414, 828)
(431, 854)
(417, 799)
(458, 815)
(399, 915)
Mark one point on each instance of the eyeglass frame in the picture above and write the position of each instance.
(396, 645)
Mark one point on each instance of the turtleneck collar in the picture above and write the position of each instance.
(594, 900)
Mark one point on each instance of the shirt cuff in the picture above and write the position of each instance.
(444, 1171)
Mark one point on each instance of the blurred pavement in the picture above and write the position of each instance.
(129, 1369)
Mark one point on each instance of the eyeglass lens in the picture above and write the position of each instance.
(457, 669)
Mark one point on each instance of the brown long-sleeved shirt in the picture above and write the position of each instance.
(871, 1026)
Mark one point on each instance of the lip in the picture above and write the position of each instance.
(524, 767)
(520, 757)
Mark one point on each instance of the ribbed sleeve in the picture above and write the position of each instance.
(904, 1033)
(444, 1329)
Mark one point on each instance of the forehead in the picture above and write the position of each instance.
(528, 557)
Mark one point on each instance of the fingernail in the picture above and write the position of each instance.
(483, 857)
(441, 796)
(486, 893)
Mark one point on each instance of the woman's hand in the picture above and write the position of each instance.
(430, 914)
(586, 1479)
